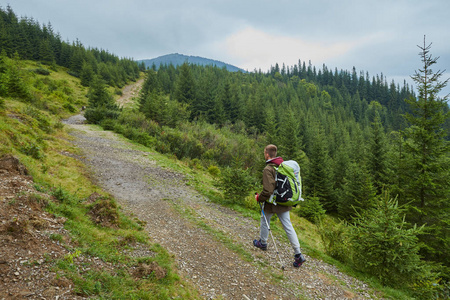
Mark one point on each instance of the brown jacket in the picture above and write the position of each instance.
(269, 186)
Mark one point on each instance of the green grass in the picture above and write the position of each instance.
(220, 236)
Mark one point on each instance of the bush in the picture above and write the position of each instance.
(181, 144)
(32, 150)
(134, 119)
(73, 73)
(118, 91)
(15, 85)
(335, 239)
(384, 246)
(214, 171)
(2, 103)
(108, 124)
(42, 71)
(195, 164)
(311, 209)
(236, 183)
(95, 115)
(69, 107)
(44, 122)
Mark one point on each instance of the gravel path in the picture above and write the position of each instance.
(185, 223)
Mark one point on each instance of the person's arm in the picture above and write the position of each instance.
(269, 184)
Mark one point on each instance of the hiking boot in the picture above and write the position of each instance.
(299, 260)
(258, 244)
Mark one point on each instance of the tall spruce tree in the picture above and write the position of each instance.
(319, 180)
(289, 141)
(358, 192)
(428, 177)
(185, 87)
(378, 163)
(101, 103)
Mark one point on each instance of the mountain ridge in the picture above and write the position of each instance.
(177, 59)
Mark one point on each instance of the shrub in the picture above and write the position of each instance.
(133, 118)
(32, 150)
(69, 107)
(108, 124)
(335, 239)
(118, 91)
(214, 171)
(250, 203)
(311, 209)
(195, 164)
(236, 183)
(62, 195)
(384, 246)
(95, 115)
(72, 73)
(44, 122)
(15, 85)
(42, 71)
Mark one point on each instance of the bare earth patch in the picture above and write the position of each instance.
(27, 251)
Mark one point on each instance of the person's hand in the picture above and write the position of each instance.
(256, 197)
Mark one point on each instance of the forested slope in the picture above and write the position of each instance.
(371, 152)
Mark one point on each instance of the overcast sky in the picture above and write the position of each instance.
(372, 36)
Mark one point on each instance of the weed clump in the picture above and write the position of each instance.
(146, 270)
(104, 212)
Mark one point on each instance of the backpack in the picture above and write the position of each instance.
(288, 191)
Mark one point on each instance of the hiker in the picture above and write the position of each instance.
(269, 185)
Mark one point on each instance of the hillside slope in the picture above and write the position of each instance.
(27, 239)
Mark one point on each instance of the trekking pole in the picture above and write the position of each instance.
(270, 231)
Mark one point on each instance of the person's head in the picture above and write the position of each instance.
(270, 151)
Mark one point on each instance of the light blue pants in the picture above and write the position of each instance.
(285, 219)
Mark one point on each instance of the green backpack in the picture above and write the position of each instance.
(288, 191)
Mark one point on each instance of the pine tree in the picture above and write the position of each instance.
(101, 103)
(87, 74)
(3, 75)
(319, 179)
(150, 86)
(218, 114)
(203, 105)
(228, 101)
(185, 86)
(152, 105)
(288, 139)
(271, 127)
(358, 193)
(377, 162)
(14, 83)
(383, 245)
(45, 52)
(76, 59)
(427, 152)
(98, 95)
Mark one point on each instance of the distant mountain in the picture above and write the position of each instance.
(179, 59)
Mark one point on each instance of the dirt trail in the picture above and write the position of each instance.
(129, 92)
(176, 216)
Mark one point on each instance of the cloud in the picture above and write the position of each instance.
(253, 48)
